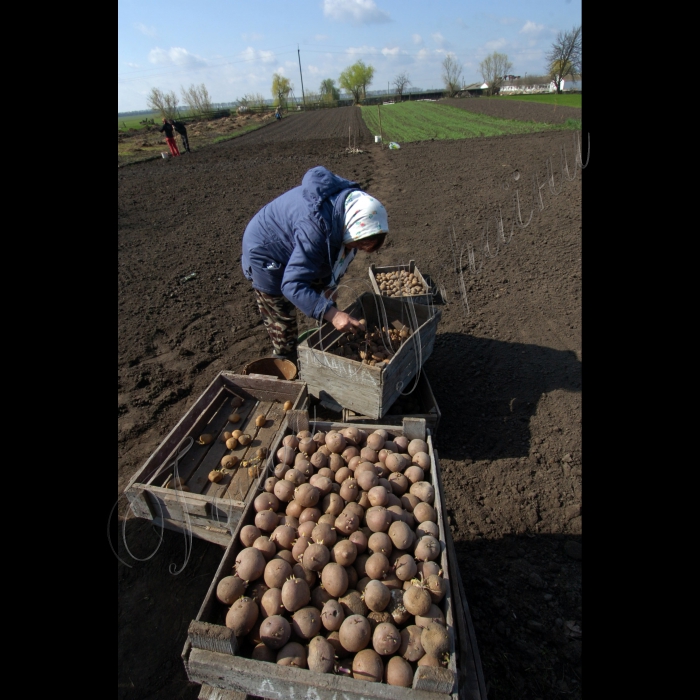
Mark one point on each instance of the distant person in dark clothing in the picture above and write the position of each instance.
(169, 137)
(278, 114)
(182, 130)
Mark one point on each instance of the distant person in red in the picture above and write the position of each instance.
(170, 137)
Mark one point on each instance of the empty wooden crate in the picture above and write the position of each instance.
(211, 510)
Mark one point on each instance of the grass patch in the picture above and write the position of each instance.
(421, 121)
(563, 100)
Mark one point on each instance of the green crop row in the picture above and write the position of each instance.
(421, 121)
(563, 100)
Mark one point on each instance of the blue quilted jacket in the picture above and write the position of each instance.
(292, 243)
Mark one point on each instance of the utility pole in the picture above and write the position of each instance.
(302, 78)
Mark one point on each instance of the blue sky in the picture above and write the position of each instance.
(235, 47)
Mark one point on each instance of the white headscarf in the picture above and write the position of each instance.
(364, 216)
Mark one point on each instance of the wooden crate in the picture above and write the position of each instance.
(427, 298)
(369, 391)
(210, 652)
(424, 397)
(209, 510)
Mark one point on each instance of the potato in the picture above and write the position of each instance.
(377, 566)
(378, 518)
(353, 604)
(355, 633)
(405, 567)
(396, 608)
(332, 615)
(229, 589)
(283, 536)
(380, 542)
(260, 420)
(311, 577)
(319, 597)
(266, 520)
(397, 671)
(250, 564)
(400, 534)
(422, 460)
(368, 666)
(292, 654)
(423, 489)
(386, 639)
(284, 490)
(306, 622)
(376, 595)
(433, 615)
(242, 615)
(416, 600)
(321, 655)
(277, 571)
(334, 579)
(271, 603)
(324, 534)
(248, 535)
(437, 587)
(229, 461)
(261, 652)
(411, 648)
(296, 594)
(286, 555)
(344, 552)
(428, 527)
(315, 557)
(266, 501)
(287, 405)
(424, 511)
(266, 546)
(347, 522)
(427, 548)
(417, 445)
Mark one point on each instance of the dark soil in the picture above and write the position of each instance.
(515, 109)
(506, 369)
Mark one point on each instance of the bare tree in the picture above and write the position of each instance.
(452, 75)
(196, 97)
(401, 82)
(163, 102)
(564, 58)
(492, 70)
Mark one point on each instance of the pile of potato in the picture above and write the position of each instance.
(372, 348)
(401, 283)
(340, 571)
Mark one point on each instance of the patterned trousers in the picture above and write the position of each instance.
(280, 319)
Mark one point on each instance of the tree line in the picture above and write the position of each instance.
(563, 59)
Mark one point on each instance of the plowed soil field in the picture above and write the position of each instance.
(506, 369)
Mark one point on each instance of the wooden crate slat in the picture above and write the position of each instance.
(218, 489)
(471, 676)
(282, 682)
(199, 481)
(187, 465)
(205, 406)
(240, 482)
(207, 692)
(203, 532)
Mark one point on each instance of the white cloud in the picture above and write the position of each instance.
(423, 54)
(253, 36)
(417, 39)
(507, 20)
(175, 56)
(531, 28)
(355, 12)
(355, 50)
(438, 38)
(251, 54)
(391, 52)
(133, 65)
(148, 31)
(495, 44)
(321, 37)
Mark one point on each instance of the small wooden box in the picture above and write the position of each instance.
(369, 391)
(211, 652)
(425, 298)
(422, 398)
(209, 510)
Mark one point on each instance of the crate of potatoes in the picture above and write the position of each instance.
(401, 282)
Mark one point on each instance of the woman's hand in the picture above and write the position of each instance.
(341, 321)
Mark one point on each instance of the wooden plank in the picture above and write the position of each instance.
(200, 479)
(207, 533)
(447, 604)
(162, 499)
(212, 637)
(189, 462)
(283, 388)
(281, 682)
(139, 504)
(436, 680)
(238, 485)
(414, 428)
(471, 675)
(207, 692)
(200, 411)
